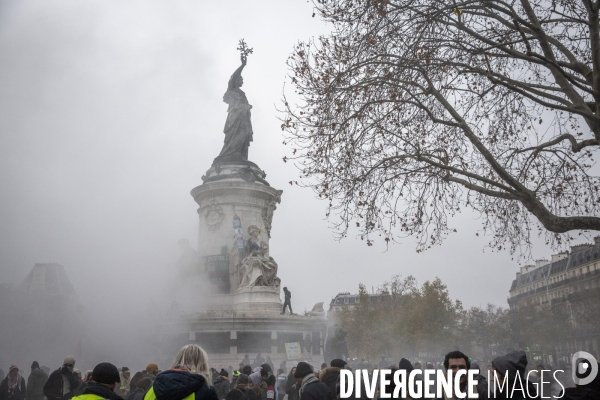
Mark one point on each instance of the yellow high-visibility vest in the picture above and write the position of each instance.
(88, 396)
(150, 395)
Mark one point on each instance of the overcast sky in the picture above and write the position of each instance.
(110, 113)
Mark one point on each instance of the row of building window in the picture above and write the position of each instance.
(554, 279)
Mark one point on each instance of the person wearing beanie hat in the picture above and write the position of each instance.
(511, 363)
(13, 385)
(221, 384)
(303, 369)
(257, 380)
(105, 377)
(242, 382)
(310, 386)
(338, 363)
(63, 383)
(254, 378)
(266, 367)
(233, 381)
(35, 382)
(152, 370)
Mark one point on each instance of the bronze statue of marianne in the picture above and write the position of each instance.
(238, 128)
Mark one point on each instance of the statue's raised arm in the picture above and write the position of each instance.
(238, 128)
(237, 75)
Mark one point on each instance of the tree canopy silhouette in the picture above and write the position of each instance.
(411, 110)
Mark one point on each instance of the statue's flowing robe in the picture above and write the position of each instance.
(238, 127)
(259, 270)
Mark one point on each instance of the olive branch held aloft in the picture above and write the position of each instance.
(244, 49)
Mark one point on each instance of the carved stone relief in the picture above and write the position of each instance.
(213, 215)
(267, 213)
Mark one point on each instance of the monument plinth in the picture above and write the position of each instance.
(236, 206)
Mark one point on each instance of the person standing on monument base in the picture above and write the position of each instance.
(288, 300)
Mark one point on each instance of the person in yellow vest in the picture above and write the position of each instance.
(105, 377)
(188, 379)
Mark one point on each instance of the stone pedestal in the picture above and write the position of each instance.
(234, 190)
(228, 336)
(227, 320)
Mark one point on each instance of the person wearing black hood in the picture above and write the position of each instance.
(188, 378)
(141, 387)
(405, 365)
(35, 383)
(591, 391)
(511, 367)
(221, 384)
(105, 377)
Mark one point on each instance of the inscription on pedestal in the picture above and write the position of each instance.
(217, 267)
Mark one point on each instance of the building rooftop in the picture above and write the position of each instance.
(573, 260)
(49, 279)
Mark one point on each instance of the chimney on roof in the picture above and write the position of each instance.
(525, 269)
(559, 256)
(540, 263)
(581, 247)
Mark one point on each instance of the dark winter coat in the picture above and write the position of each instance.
(18, 393)
(177, 384)
(290, 390)
(53, 389)
(585, 392)
(138, 395)
(97, 391)
(35, 384)
(330, 376)
(222, 387)
(315, 390)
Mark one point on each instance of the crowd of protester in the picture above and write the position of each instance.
(191, 378)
